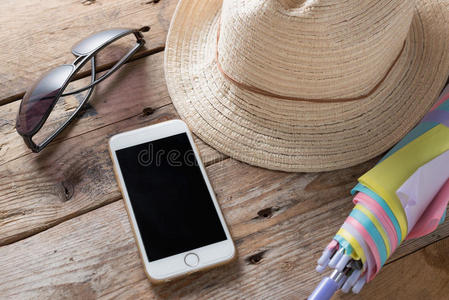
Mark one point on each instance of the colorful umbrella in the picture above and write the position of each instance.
(404, 196)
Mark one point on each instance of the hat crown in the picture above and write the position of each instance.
(312, 49)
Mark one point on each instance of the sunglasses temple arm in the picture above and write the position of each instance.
(121, 62)
(75, 113)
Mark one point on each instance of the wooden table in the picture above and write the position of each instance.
(64, 232)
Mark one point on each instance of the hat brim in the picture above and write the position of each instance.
(301, 136)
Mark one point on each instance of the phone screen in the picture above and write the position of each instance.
(170, 200)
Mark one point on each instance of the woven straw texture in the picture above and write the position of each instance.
(391, 56)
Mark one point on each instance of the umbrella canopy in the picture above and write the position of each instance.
(404, 196)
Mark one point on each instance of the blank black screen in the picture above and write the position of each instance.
(169, 197)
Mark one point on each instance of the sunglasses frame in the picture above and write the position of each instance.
(80, 61)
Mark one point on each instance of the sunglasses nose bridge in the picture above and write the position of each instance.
(78, 58)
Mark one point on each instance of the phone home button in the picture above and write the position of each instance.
(191, 259)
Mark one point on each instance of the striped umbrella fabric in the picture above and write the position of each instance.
(404, 196)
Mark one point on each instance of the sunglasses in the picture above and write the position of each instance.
(39, 101)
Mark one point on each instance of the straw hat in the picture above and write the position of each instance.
(306, 85)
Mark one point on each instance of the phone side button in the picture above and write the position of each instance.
(191, 259)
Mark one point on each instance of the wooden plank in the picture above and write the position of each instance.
(91, 254)
(421, 275)
(38, 35)
(262, 198)
(71, 178)
(280, 221)
(137, 89)
(36, 187)
(64, 251)
(94, 256)
(75, 176)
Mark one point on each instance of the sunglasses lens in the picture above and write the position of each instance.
(40, 99)
(96, 40)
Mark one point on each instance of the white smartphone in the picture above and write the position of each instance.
(172, 208)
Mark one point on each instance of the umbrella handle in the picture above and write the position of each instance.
(325, 290)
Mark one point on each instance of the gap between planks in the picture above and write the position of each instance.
(66, 218)
(63, 219)
(253, 259)
(84, 211)
(86, 73)
(93, 252)
(28, 51)
(99, 123)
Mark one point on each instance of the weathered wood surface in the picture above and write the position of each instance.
(94, 255)
(71, 178)
(63, 230)
(420, 275)
(137, 86)
(74, 174)
(280, 223)
(38, 35)
(136, 91)
(77, 177)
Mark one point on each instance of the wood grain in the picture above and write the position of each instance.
(38, 35)
(75, 176)
(63, 227)
(35, 188)
(280, 222)
(421, 275)
(262, 199)
(95, 256)
(136, 89)
(70, 178)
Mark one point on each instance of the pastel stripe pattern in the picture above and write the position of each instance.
(381, 215)
(352, 230)
(378, 223)
(371, 253)
(367, 223)
(374, 197)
